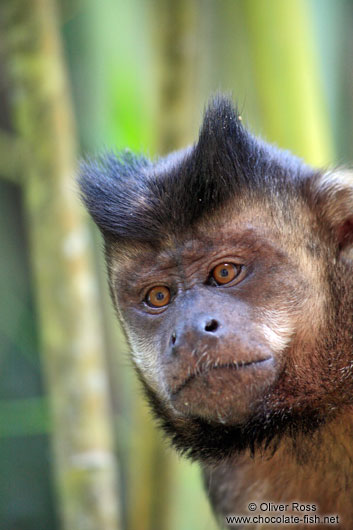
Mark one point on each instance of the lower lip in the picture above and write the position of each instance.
(236, 367)
(228, 397)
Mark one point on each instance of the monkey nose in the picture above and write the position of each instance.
(211, 325)
(203, 328)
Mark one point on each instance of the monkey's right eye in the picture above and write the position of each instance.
(158, 296)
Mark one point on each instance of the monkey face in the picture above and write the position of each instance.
(210, 317)
(230, 268)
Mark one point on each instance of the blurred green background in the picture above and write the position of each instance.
(77, 446)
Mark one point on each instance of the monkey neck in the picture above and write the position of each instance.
(316, 471)
(311, 469)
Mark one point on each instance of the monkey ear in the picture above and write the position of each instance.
(333, 199)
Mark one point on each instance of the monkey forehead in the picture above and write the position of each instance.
(236, 221)
(244, 236)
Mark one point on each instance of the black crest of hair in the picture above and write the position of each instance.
(132, 197)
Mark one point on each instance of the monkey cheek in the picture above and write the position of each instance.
(225, 395)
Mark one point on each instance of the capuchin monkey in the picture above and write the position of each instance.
(231, 271)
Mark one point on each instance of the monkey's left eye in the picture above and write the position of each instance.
(225, 273)
(158, 296)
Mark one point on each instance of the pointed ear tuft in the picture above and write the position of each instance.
(333, 197)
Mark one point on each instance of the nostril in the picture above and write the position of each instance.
(211, 325)
(173, 339)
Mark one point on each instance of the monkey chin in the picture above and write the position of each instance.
(227, 394)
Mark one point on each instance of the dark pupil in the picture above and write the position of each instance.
(160, 296)
(224, 273)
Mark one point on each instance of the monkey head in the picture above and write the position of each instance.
(229, 271)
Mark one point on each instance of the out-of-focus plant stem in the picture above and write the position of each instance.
(290, 92)
(12, 152)
(69, 325)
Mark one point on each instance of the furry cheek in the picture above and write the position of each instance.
(277, 330)
(145, 357)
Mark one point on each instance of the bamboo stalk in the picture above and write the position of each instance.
(288, 78)
(69, 324)
(178, 86)
(12, 157)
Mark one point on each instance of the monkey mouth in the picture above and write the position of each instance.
(226, 392)
(208, 368)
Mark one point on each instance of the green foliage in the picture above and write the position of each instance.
(24, 417)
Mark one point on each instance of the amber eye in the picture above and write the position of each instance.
(225, 273)
(158, 296)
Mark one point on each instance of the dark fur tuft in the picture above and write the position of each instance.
(110, 187)
(213, 443)
(132, 197)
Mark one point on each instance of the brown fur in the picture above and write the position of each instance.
(313, 373)
(254, 378)
(316, 471)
